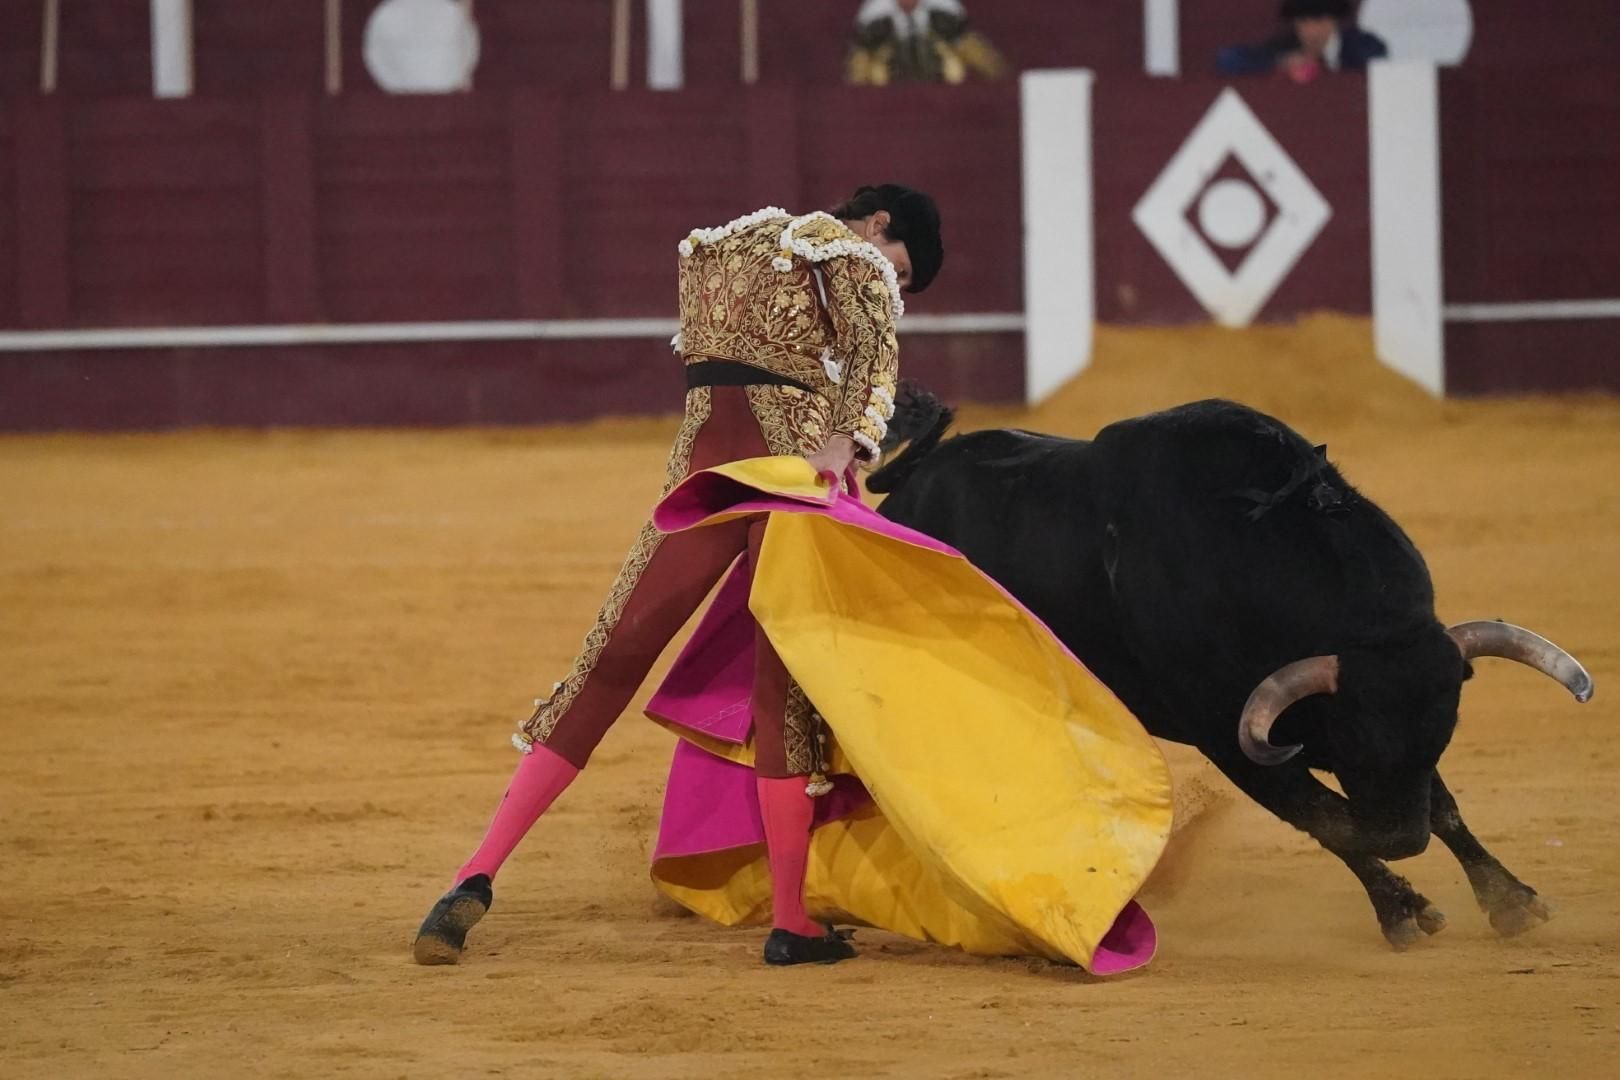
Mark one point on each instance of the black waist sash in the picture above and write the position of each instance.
(732, 373)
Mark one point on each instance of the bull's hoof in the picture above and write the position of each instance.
(1431, 920)
(1517, 912)
(1402, 935)
(1405, 932)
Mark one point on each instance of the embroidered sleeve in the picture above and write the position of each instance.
(862, 296)
(863, 322)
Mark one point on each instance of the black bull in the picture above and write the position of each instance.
(1212, 568)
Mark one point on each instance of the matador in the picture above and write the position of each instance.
(787, 336)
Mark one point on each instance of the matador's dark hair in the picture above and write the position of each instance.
(913, 220)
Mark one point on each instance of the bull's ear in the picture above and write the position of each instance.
(1321, 451)
(1468, 670)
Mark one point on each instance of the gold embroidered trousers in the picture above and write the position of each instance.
(665, 579)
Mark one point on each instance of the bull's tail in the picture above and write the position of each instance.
(920, 420)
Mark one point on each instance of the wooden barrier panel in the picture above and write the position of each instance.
(164, 209)
(1531, 228)
(43, 296)
(304, 209)
(20, 30)
(11, 254)
(106, 48)
(370, 208)
(414, 207)
(263, 48)
(1515, 34)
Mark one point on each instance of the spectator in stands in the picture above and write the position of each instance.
(918, 41)
(1321, 36)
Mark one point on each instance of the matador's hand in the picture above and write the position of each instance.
(834, 459)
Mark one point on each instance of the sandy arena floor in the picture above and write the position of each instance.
(256, 691)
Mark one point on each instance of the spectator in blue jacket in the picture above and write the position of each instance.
(1320, 36)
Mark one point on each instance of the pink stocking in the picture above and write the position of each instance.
(788, 813)
(540, 778)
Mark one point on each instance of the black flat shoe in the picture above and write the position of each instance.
(444, 931)
(784, 947)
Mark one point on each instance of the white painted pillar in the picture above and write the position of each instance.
(1403, 118)
(1060, 300)
(666, 68)
(171, 48)
(1161, 26)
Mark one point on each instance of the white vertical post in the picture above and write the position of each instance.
(1161, 26)
(1059, 246)
(1403, 115)
(172, 70)
(665, 45)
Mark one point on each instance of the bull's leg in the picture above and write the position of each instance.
(1512, 906)
(1404, 914)
(1303, 801)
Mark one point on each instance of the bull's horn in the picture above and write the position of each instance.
(1488, 638)
(1283, 687)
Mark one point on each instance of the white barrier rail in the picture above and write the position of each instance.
(195, 337)
(1534, 310)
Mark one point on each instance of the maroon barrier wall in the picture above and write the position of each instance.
(1530, 174)
(520, 205)
(531, 205)
(19, 47)
(527, 205)
(252, 48)
(367, 208)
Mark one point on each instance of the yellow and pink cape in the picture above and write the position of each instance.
(990, 792)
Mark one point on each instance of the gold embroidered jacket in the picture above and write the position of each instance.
(802, 297)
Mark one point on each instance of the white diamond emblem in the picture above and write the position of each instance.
(1227, 212)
